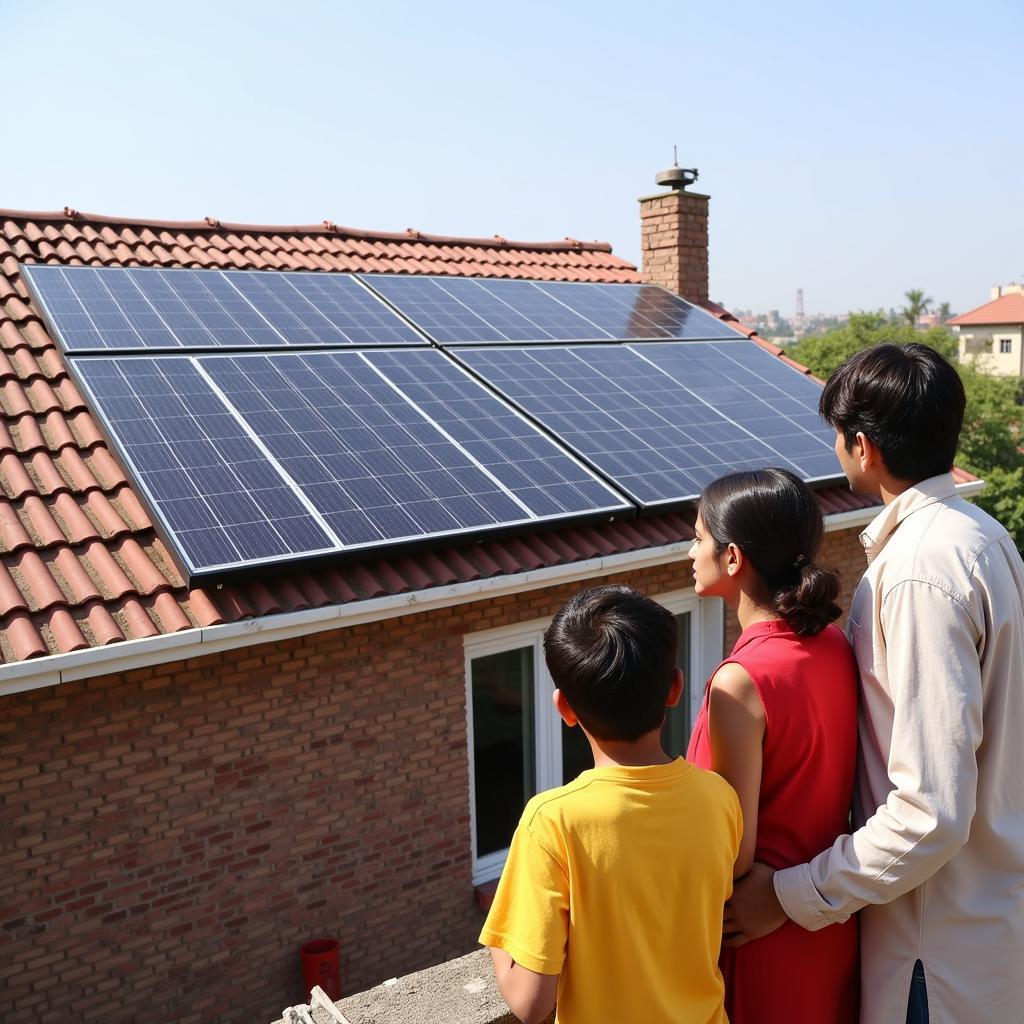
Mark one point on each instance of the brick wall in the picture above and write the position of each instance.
(173, 834)
(674, 242)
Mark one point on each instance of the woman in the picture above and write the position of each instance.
(779, 722)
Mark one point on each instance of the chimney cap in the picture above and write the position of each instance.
(677, 177)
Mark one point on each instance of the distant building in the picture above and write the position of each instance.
(993, 334)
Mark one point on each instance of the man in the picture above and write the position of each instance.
(937, 625)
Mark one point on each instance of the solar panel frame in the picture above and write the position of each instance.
(715, 437)
(616, 507)
(451, 310)
(190, 310)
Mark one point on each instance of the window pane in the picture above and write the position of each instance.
(675, 736)
(503, 748)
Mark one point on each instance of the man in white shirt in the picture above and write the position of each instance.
(937, 624)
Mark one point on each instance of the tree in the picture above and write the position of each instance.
(944, 312)
(917, 303)
(823, 353)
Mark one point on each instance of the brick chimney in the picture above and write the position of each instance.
(674, 236)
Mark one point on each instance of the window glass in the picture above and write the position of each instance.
(675, 736)
(503, 744)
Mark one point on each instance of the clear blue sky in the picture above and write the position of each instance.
(854, 151)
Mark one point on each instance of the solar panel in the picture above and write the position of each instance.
(103, 309)
(221, 499)
(664, 420)
(456, 311)
(252, 458)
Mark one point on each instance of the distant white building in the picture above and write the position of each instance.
(993, 334)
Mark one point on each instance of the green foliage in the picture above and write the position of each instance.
(823, 354)
(991, 445)
(992, 439)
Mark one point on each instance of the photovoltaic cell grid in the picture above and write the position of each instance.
(664, 420)
(106, 309)
(256, 458)
(457, 311)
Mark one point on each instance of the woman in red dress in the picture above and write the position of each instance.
(779, 722)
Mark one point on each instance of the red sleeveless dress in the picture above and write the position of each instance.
(808, 688)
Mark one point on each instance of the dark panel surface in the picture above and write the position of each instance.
(95, 309)
(222, 501)
(664, 420)
(455, 311)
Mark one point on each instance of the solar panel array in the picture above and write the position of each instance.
(105, 309)
(278, 456)
(455, 310)
(664, 420)
(268, 417)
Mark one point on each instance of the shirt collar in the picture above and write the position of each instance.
(927, 492)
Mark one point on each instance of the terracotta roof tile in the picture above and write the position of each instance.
(21, 639)
(37, 585)
(1007, 309)
(14, 477)
(64, 631)
(98, 622)
(13, 534)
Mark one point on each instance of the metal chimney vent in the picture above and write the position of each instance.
(677, 177)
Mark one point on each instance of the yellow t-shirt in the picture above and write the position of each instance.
(617, 882)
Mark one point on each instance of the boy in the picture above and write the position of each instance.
(612, 895)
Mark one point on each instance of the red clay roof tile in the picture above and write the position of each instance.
(14, 477)
(13, 534)
(1007, 309)
(64, 631)
(102, 625)
(34, 580)
(21, 639)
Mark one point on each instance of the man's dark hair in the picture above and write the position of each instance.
(906, 399)
(612, 653)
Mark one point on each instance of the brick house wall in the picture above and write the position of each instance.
(173, 834)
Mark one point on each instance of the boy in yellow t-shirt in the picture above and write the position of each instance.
(611, 898)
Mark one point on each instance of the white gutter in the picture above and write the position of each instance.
(113, 659)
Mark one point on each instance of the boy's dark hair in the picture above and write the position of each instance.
(772, 517)
(612, 653)
(906, 399)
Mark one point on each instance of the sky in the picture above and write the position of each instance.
(854, 151)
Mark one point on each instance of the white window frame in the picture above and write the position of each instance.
(706, 639)
(1008, 343)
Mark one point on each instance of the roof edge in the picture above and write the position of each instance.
(326, 227)
(54, 669)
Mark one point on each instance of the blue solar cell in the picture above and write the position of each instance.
(638, 311)
(321, 309)
(390, 445)
(223, 503)
(108, 308)
(663, 420)
(455, 310)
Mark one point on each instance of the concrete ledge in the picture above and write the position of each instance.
(461, 991)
